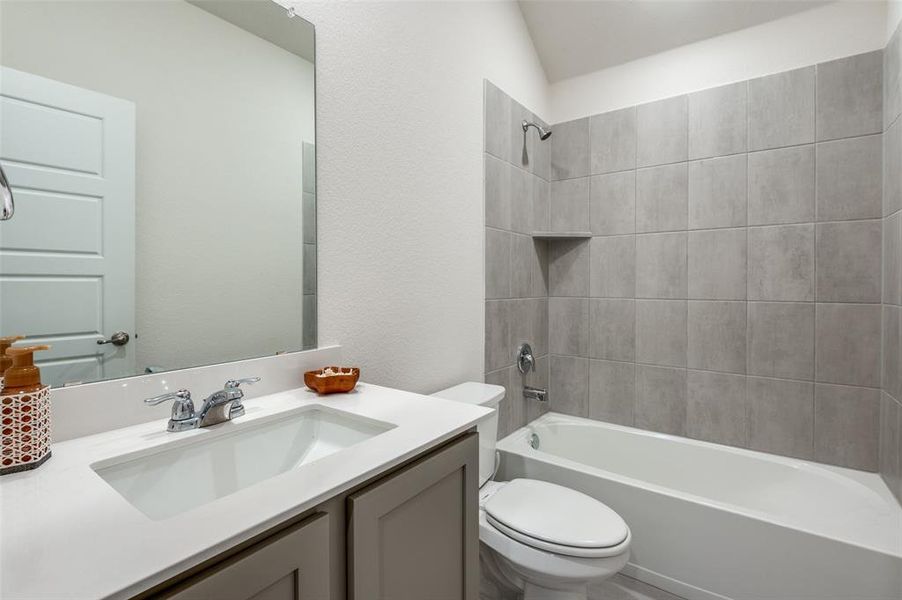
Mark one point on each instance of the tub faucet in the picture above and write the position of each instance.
(531, 393)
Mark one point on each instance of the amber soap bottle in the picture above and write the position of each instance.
(24, 413)
(5, 361)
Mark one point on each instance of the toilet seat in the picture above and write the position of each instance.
(556, 519)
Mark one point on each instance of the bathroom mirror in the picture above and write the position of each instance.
(161, 159)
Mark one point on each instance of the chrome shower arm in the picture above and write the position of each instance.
(9, 205)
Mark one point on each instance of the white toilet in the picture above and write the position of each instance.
(538, 539)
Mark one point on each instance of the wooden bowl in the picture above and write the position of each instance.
(343, 382)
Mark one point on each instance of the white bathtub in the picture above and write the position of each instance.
(712, 521)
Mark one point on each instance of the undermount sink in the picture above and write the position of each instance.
(178, 477)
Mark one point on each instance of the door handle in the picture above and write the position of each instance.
(120, 338)
(9, 205)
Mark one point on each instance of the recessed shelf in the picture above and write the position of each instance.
(561, 235)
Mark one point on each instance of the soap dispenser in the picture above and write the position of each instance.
(24, 413)
(5, 361)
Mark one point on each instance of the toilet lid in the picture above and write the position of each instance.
(555, 516)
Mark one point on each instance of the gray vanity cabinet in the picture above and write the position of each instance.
(414, 535)
(291, 565)
(411, 533)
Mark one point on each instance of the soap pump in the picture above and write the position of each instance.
(5, 361)
(24, 413)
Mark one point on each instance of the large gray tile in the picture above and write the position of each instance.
(892, 78)
(781, 340)
(309, 217)
(892, 351)
(529, 324)
(848, 261)
(568, 326)
(612, 203)
(850, 96)
(718, 123)
(308, 168)
(718, 192)
(529, 267)
(540, 154)
(849, 184)
(497, 117)
(662, 132)
(781, 109)
(570, 205)
(782, 186)
(661, 399)
(309, 277)
(890, 443)
(541, 204)
(846, 426)
(522, 196)
(661, 269)
(661, 332)
(511, 410)
(310, 322)
(612, 391)
(717, 336)
(568, 268)
(520, 142)
(847, 344)
(497, 264)
(497, 193)
(612, 267)
(781, 416)
(892, 168)
(716, 408)
(662, 195)
(613, 141)
(497, 335)
(568, 392)
(781, 263)
(892, 259)
(570, 149)
(539, 378)
(612, 329)
(717, 264)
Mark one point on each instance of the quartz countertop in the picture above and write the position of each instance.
(65, 533)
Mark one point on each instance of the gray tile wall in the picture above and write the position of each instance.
(308, 308)
(890, 412)
(517, 197)
(734, 289)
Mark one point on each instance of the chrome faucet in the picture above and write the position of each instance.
(531, 393)
(221, 405)
(526, 362)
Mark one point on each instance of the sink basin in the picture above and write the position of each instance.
(188, 473)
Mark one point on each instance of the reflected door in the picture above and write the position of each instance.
(67, 257)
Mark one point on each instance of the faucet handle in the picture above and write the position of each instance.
(234, 383)
(180, 395)
(183, 416)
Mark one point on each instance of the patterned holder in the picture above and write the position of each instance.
(25, 429)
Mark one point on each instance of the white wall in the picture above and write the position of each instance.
(893, 17)
(832, 31)
(399, 156)
(218, 263)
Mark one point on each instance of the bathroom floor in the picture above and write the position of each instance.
(621, 587)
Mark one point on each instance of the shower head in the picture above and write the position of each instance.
(544, 134)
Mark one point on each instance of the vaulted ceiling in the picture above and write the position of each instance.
(575, 37)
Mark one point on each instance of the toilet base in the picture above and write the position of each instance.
(534, 591)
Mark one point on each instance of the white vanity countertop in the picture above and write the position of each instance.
(65, 533)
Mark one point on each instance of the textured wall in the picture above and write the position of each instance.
(731, 288)
(400, 177)
(891, 404)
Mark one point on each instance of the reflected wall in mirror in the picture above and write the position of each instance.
(162, 161)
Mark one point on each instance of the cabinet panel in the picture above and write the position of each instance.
(415, 535)
(291, 565)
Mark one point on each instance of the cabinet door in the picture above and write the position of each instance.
(415, 535)
(290, 565)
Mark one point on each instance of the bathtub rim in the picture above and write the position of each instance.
(517, 443)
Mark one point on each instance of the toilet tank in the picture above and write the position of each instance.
(487, 395)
